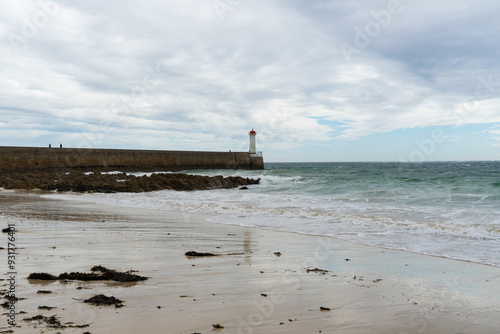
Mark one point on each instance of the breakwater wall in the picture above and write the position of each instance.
(39, 158)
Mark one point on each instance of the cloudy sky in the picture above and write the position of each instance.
(319, 80)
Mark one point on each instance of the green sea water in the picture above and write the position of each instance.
(449, 209)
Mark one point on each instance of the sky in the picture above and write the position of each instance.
(319, 80)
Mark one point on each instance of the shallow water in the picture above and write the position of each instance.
(449, 209)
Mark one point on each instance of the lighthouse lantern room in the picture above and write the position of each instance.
(253, 148)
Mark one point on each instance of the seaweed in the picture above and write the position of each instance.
(105, 275)
(196, 254)
(104, 300)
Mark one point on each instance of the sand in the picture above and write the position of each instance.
(246, 289)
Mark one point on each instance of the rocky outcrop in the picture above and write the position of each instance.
(96, 182)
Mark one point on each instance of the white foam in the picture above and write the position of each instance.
(398, 220)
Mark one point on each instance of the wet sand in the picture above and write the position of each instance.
(246, 289)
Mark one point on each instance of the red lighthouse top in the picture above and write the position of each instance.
(252, 132)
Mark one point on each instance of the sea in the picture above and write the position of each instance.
(447, 209)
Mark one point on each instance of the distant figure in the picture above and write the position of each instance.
(60, 145)
(50, 145)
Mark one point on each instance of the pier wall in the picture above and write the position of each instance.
(38, 158)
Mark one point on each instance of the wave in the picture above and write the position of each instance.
(439, 209)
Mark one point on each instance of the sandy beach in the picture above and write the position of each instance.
(259, 281)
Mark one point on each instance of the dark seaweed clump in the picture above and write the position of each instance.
(104, 300)
(42, 276)
(194, 254)
(52, 322)
(104, 275)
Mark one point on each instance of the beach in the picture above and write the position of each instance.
(259, 281)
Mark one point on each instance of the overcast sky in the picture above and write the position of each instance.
(318, 80)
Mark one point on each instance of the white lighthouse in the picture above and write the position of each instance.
(253, 147)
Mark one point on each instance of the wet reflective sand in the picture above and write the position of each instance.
(246, 289)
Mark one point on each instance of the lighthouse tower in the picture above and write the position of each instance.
(253, 149)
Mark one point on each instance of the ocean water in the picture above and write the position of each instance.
(449, 209)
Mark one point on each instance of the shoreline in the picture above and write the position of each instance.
(376, 290)
(210, 216)
(359, 243)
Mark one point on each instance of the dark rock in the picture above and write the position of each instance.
(109, 183)
(324, 308)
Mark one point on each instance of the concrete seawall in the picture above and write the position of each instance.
(38, 158)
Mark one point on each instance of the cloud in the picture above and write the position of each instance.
(158, 74)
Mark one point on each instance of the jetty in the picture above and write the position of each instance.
(23, 159)
(37, 158)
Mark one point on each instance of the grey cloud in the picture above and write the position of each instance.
(179, 70)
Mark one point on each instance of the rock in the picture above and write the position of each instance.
(324, 308)
(109, 183)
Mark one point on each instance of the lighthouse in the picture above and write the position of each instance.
(253, 149)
